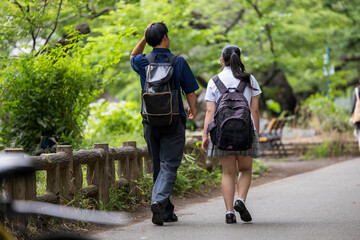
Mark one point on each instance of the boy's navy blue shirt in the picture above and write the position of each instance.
(183, 75)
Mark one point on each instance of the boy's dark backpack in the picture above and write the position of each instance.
(159, 97)
(232, 128)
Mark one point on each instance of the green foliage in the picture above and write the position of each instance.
(145, 186)
(40, 182)
(291, 34)
(325, 150)
(81, 201)
(323, 114)
(132, 19)
(288, 35)
(259, 168)
(119, 199)
(273, 106)
(47, 95)
(113, 123)
(192, 177)
(38, 22)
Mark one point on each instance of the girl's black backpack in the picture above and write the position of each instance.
(232, 128)
(160, 98)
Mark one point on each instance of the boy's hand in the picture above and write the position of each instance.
(191, 115)
(147, 29)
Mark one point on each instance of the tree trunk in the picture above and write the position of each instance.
(277, 88)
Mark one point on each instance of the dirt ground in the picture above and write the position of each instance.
(279, 170)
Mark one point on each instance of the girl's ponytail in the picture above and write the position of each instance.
(231, 55)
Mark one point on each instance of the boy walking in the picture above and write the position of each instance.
(165, 143)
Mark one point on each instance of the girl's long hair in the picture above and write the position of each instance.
(231, 55)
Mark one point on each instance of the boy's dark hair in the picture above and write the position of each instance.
(155, 33)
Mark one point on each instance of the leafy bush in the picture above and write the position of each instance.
(258, 168)
(145, 186)
(324, 115)
(192, 177)
(112, 123)
(119, 199)
(329, 148)
(46, 96)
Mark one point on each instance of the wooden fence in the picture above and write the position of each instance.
(108, 167)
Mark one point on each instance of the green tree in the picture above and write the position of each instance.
(41, 22)
(287, 37)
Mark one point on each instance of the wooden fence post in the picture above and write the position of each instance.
(21, 187)
(67, 189)
(123, 170)
(92, 175)
(146, 161)
(104, 173)
(112, 174)
(148, 165)
(140, 163)
(53, 183)
(77, 176)
(133, 167)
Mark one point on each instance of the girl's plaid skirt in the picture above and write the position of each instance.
(254, 151)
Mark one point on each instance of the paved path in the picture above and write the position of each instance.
(323, 204)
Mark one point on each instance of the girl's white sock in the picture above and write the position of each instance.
(231, 211)
(241, 199)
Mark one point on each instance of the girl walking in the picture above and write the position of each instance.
(232, 161)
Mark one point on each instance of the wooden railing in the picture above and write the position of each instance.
(106, 167)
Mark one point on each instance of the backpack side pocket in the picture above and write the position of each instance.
(212, 129)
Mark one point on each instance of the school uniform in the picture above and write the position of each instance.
(213, 94)
(166, 144)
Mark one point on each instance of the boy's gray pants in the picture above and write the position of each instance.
(165, 146)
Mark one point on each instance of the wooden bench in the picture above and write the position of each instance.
(272, 135)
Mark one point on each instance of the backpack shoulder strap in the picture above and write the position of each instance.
(357, 93)
(219, 84)
(172, 59)
(241, 87)
(150, 58)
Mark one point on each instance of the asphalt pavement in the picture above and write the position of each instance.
(322, 204)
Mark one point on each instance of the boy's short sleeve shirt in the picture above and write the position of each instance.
(183, 75)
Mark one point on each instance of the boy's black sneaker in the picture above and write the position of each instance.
(158, 213)
(239, 206)
(172, 218)
(230, 218)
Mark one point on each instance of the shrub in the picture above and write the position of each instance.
(192, 177)
(112, 123)
(324, 115)
(329, 148)
(258, 168)
(46, 96)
